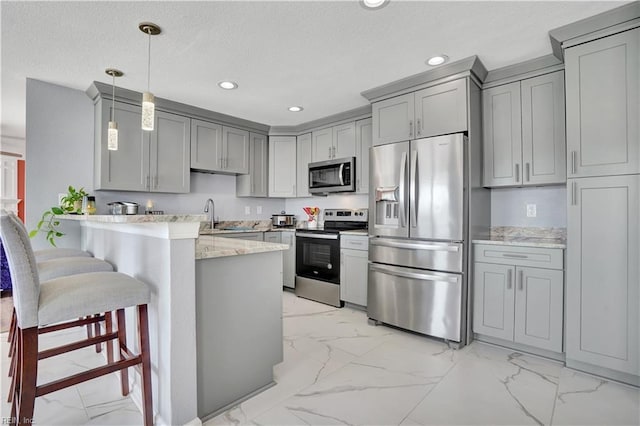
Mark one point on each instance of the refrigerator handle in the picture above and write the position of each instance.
(390, 270)
(413, 188)
(402, 198)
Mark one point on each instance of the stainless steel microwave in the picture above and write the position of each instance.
(337, 175)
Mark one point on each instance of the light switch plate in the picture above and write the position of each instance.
(259, 209)
(247, 210)
(531, 210)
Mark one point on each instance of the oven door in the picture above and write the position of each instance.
(318, 256)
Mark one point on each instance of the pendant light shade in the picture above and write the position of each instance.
(148, 100)
(112, 131)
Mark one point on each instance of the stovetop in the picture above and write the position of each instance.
(336, 220)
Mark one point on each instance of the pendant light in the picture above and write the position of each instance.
(148, 100)
(112, 132)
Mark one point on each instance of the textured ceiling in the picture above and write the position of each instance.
(313, 53)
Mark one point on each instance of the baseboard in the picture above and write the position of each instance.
(237, 402)
(602, 372)
(520, 347)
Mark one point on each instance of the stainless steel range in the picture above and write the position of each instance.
(318, 255)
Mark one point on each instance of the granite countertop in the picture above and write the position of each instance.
(526, 236)
(210, 246)
(135, 218)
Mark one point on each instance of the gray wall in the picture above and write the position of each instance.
(509, 206)
(59, 145)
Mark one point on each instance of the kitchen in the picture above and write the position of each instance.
(75, 110)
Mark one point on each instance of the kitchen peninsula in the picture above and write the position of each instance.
(207, 308)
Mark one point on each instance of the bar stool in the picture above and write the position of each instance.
(57, 253)
(62, 300)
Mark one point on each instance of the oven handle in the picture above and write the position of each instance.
(390, 270)
(415, 246)
(320, 236)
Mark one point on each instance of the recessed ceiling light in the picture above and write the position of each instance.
(373, 4)
(437, 60)
(228, 85)
(295, 108)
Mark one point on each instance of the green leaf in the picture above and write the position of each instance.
(39, 225)
(33, 233)
(57, 210)
(56, 223)
(59, 234)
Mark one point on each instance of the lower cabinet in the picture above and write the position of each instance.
(272, 237)
(354, 256)
(517, 303)
(289, 259)
(255, 236)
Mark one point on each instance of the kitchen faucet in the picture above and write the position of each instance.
(206, 210)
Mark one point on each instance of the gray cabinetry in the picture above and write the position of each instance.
(524, 132)
(334, 142)
(272, 237)
(303, 155)
(289, 259)
(322, 144)
(219, 149)
(363, 144)
(603, 279)
(603, 98)
(515, 302)
(156, 161)
(282, 166)
(256, 183)
(436, 110)
(354, 266)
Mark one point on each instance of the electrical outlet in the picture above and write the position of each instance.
(247, 210)
(259, 209)
(61, 195)
(531, 210)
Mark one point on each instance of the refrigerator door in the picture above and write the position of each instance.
(417, 254)
(422, 301)
(388, 202)
(436, 188)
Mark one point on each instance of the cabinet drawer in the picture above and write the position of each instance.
(354, 242)
(518, 255)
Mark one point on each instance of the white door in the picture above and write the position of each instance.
(493, 300)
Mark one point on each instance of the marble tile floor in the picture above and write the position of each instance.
(338, 369)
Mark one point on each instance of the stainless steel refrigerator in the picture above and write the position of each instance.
(417, 228)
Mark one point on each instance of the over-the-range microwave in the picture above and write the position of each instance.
(337, 175)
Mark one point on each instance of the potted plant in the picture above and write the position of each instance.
(71, 203)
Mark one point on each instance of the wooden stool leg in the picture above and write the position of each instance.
(108, 320)
(143, 335)
(28, 375)
(97, 333)
(12, 354)
(89, 330)
(122, 344)
(12, 327)
(15, 380)
(14, 337)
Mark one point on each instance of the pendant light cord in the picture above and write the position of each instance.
(149, 60)
(113, 96)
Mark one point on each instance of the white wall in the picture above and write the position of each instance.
(509, 206)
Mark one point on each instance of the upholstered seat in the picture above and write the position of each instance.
(65, 266)
(57, 253)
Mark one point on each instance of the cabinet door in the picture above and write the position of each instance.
(289, 260)
(502, 135)
(235, 144)
(441, 109)
(253, 236)
(169, 157)
(543, 136)
(602, 272)
(539, 308)
(272, 237)
(282, 170)
(493, 300)
(206, 146)
(354, 266)
(126, 169)
(363, 144)
(344, 140)
(303, 155)
(393, 120)
(255, 184)
(602, 106)
(322, 145)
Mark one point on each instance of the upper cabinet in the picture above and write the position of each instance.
(145, 161)
(282, 166)
(334, 142)
(603, 95)
(303, 155)
(524, 132)
(433, 111)
(221, 149)
(255, 184)
(363, 143)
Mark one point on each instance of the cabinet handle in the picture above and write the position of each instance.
(574, 157)
(419, 128)
(574, 194)
(148, 185)
(527, 171)
(515, 256)
(509, 283)
(410, 128)
(521, 278)
(155, 182)
(329, 152)
(334, 152)
(517, 172)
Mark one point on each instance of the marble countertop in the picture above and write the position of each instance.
(526, 236)
(135, 218)
(210, 246)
